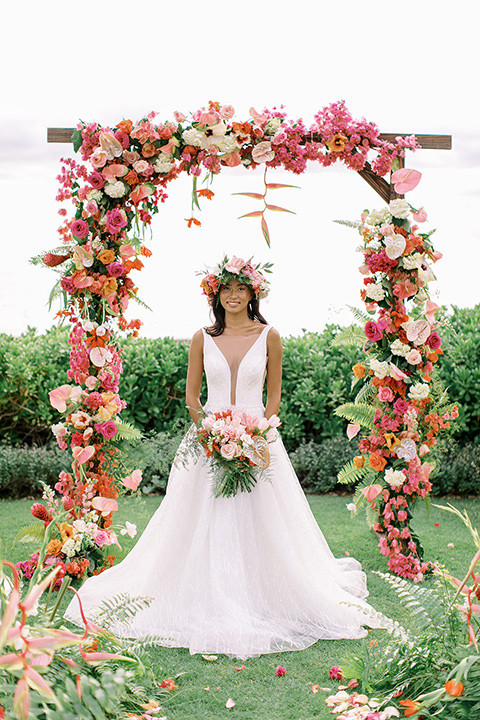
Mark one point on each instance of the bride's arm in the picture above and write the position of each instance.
(194, 376)
(274, 373)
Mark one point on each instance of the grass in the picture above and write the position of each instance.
(204, 687)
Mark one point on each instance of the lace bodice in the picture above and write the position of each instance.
(236, 373)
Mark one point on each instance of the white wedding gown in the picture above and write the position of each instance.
(245, 575)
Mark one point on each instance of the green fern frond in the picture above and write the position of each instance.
(136, 299)
(365, 395)
(349, 223)
(120, 609)
(352, 335)
(360, 316)
(350, 474)
(357, 413)
(127, 431)
(427, 608)
(33, 533)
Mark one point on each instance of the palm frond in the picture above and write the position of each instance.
(427, 608)
(33, 533)
(366, 394)
(127, 431)
(120, 610)
(350, 474)
(352, 335)
(357, 413)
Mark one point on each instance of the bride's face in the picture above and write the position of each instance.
(235, 296)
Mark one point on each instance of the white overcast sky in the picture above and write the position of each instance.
(408, 66)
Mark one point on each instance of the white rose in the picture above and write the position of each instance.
(116, 189)
(246, 439)
(399, 208)
(395, 478)
(94, 195)
(375, 292)
(163, 163)
(378, 217)
(192, 137)
(419, 391)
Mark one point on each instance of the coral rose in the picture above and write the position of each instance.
(106, 257)
(377, 462)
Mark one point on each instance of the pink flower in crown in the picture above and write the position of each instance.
(234, 265)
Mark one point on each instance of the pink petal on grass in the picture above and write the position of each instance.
(229, 704)
(405, 179)
(242, 667)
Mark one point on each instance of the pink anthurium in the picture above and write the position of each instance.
(111, 172)
(141, 192)
(59, 397)
(83, 455)
(133, 481)
(99, 356)
(405, 179)
(352, 430)
(105, 505)
(371, 491)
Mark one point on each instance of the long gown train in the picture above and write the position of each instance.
(245, 575)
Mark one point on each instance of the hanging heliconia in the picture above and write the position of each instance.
(115, 190)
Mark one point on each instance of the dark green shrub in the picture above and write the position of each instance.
(154, 456)
(21, 469)
(317, 464)
(458, 470)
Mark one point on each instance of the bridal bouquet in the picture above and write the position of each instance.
(238, 444)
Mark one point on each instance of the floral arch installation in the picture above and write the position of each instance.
(117, 187)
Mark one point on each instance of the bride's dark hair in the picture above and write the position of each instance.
(253, 310)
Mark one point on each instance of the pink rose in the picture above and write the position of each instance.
(102, 538)
(130, 156)
(234, 265)
(228, 450)
(116, 220)
(80, 229)
(98, 158)
(434, 341)
(372, 331)
(227, 112)
(67, 285)
(142, 167)
(385, 394)
(400, 406)
(116, 269)
(91, 207)
(96, 180)
(123, 139)
(107, 429)
(413, 357)
(263, 152)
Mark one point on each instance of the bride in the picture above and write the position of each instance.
(248, 574)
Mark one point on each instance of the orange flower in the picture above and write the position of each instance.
(106, 257)
(359, 370)
(149, 150)
(132, 178)
(454, 687)
(205, 193)
(125, 126)
(193, 220)
(377, 462)
(336, 143)
(66, 531)
(411, 707)
(145, 251)
(391, 440)
(359, 461)
(109, 286)
(54, 547)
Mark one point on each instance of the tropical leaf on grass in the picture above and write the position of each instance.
(352, 335)
(120, 609)
(359, 413)
(350, 474)
(33, 533)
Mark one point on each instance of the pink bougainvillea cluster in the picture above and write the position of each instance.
(402, 347)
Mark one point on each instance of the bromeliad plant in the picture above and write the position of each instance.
(398, 403)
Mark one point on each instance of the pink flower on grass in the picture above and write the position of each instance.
(79, 228)
(280, 671)
(335, 673)
(372, 331)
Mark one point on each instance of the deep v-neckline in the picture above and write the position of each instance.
(233, 387)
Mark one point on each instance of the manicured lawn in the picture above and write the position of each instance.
(204, 687)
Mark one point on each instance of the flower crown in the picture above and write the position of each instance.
(238, 269)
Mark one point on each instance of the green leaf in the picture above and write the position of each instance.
(352, 335)
(357, 413)
(350, 474)
(33, 533)
(77, 140)
(127, 431)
